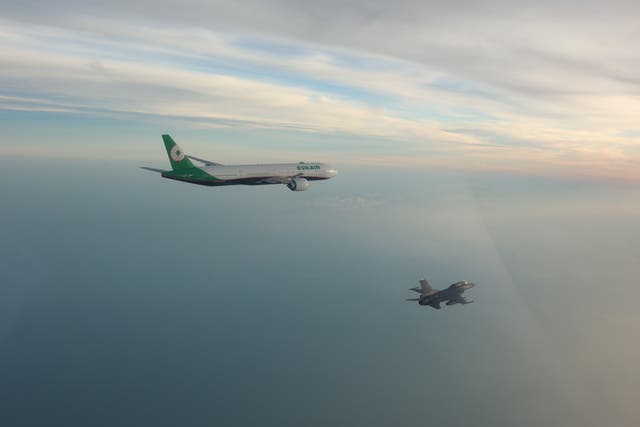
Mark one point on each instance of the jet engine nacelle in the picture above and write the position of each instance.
(298, 184)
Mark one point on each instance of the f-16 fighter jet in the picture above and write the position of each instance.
(433, 297)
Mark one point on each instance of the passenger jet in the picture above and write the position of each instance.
(295, 176)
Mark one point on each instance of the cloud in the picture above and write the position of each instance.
(84, 78)
(516, 45)
(496, 85)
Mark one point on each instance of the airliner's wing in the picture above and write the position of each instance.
(279, 179)
(206, 162)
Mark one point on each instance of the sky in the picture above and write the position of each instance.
(493, 142)
(546, 89)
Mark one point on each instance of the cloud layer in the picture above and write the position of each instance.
(502, 86)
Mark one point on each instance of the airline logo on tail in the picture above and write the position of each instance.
(177, 154)
(178, 159)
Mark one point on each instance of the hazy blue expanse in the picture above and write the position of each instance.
(131, 300)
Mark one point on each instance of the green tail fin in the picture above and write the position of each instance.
(178, 159)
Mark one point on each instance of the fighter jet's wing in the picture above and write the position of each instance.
(426, 287)
(206, 162)
(435, 304)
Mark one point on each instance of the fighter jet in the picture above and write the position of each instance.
(433, 297)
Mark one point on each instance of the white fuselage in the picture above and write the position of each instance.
(311, 171)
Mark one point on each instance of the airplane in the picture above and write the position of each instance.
(433, 297)
(295, 176)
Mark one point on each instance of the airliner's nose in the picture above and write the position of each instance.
(332, 171)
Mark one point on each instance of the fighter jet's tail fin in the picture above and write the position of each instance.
(177, 157)
(426, 287)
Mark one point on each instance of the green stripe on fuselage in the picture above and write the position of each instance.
(195, 175)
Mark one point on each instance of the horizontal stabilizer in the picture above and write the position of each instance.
(153, 169)
(413, 299)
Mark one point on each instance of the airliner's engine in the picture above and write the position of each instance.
(298, 184)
